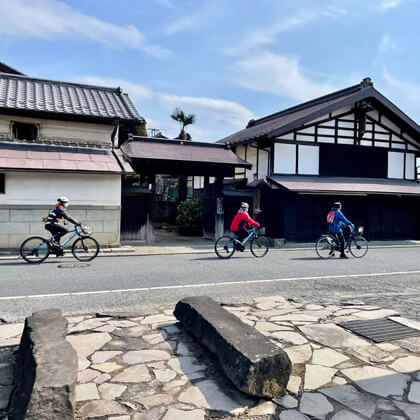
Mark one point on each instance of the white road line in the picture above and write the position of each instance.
(229, 283)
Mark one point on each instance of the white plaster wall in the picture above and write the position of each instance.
(395, 165)
(308, 160)
(284, 158)
(32, 188)
(51, 129)
(409, 165)
(263, 162)
(251, 157)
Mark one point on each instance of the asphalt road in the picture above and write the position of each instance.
(121, 283)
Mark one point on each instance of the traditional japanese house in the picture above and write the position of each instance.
(61, 139)
(353, 146)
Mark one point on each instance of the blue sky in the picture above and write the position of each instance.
(226, 61)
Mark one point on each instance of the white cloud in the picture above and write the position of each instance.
(268, 36)
(386, 44)
(166, 3)
(216, 118)
(389, 4)
(183, 24)
(219, 110)
(281, 75)
(51, 19)
(136, 91)
(407, 93)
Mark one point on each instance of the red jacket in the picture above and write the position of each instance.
(241, 221)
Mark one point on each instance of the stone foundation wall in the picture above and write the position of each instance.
(18, 222)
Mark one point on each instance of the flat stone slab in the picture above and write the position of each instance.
(87, 344)
(328, 357)
(100, 408)
(350, 397)
(315, 405)
(133, 374)
(378, 381)
(331, 335)
(406, 364)
(292, 415)
(299, 354)
(186, 365)
(144, 356)
(317, 376)
(208, 394)
(250, 360)
(175, 414)
(414, 394)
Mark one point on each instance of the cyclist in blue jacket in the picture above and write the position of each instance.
(336, 221)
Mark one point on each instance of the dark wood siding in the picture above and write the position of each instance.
(353, 161)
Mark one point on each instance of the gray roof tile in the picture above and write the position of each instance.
(30, 94)
(293, 118)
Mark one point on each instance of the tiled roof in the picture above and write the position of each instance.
(53, 158)
(41, 95)
(320, 184)
(175, 150)
(293, 118)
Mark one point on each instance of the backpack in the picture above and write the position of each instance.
(330, 217)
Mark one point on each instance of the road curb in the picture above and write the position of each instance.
(46, 370)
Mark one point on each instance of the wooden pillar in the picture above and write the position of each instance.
(219, 222)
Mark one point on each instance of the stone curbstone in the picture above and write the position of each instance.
(249, 359)
(46, 370)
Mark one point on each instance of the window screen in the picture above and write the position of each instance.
(22, 131)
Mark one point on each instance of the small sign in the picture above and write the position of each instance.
(219, 206)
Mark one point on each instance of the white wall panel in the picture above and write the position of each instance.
(263, 161)
(308, 162)
(251, 157)
(395, 165)
(409, 165)
(284, 158)
(44, 188)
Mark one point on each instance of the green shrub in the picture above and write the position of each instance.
(190, 217)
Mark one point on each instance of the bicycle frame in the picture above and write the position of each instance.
(76, 233)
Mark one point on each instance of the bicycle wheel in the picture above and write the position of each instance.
(359, 247)
(224, 247)
(34, 250)
(259, 246)
(325, 247)
(85, 248)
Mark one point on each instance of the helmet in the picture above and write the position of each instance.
(337, 205)
(244, 206)
(63, 200)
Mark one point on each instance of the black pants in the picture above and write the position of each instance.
(58, 230)
(340, 238)
(242, 234)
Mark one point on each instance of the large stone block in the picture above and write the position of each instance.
(4, 215)
(14, 227)
(111, 214)
(46, 370)
(249, 359)
(107, 238)
(112, 225)
(30, 215)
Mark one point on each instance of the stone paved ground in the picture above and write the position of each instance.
(143, 366)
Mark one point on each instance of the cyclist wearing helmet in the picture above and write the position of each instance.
(52, 223)
(336, 220)
(240, 223)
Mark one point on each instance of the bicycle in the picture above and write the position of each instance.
(36, 249)
(226, 245)
(356, 244)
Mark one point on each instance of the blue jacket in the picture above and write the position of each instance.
(339, 221)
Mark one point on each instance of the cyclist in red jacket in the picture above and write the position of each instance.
(240, 222)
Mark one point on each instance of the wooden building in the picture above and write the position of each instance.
(353, 146)
(61, 139)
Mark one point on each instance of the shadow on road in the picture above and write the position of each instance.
(21, 262)
(217, 258)
(308, 259)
